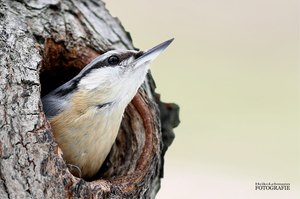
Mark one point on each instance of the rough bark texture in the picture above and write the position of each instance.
(44, 43)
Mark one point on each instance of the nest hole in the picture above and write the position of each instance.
(61, 64)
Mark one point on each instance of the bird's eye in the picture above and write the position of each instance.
(113, 60)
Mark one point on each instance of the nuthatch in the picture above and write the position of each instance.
(86, 112)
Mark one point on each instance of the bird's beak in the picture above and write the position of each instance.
(152, 53)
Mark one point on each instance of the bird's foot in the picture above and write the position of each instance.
(75, 170)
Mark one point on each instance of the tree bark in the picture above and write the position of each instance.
(44, 43)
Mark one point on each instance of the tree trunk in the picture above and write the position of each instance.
(44, 43)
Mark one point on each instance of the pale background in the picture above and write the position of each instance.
(234, 70)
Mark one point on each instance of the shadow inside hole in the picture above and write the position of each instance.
(60, 64)
(51, 79)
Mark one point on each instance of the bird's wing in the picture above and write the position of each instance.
(53, 104)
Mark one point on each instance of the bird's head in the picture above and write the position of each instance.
(114, 76)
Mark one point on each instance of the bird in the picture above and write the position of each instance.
(85, 113)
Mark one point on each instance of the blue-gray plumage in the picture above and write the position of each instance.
(85, 113)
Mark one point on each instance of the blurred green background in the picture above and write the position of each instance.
(234, 70)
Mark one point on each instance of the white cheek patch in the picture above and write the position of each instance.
(100, 77)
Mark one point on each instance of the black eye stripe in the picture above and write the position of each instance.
(113, 60)
(95, 65)
(137, 55)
